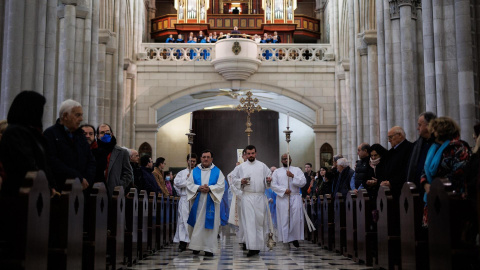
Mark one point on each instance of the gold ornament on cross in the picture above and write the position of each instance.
(249, 105)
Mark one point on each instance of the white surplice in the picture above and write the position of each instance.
(235, 215)
(279, 185)
(200, 237)
(254, 216)
(183, 207)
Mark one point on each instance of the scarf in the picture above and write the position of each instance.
(374, 163)
(210, 211)
(434, 156)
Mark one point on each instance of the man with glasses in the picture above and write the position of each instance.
(113, 162)
(148, 180)
(398, 158)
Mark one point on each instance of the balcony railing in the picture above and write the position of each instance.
(287, 52)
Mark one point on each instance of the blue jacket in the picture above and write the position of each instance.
(69, 158)
(179, 41)
(170, 40)
(148, 181)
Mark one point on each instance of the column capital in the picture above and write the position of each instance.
(370, 37)
(402, 3)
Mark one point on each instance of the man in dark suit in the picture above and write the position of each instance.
(398, 159)
(345, 176)
(68, 151)
(235, 11)
(113, 162)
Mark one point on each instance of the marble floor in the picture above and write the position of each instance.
(231, 256)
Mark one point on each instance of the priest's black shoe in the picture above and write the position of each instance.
(208, 254)
(196, 251)
(182, 246)
(295, 243)
(244, 246)
(252, 253)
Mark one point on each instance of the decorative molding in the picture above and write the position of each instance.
(370, 37)
(394, 10)
(346, 64)
(146, 128)
(324, 128)
(104, 36)
(341, 76)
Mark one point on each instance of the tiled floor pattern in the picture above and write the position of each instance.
(231, 256)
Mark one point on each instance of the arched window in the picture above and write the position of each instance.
(145, 149)
(326, 155)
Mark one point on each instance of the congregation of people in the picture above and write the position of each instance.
(260, 203)
(212, 37)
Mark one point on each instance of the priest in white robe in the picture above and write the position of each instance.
(286, 182)
(254, 177)
(205, 188)
(180, 183)
(235, 216)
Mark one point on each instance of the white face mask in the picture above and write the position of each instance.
(167, 178)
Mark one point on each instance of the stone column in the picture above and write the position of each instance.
(103, 40)
(12, 50)
(381, 52)
(120, 72)
(353, 70)
(419, 72)
(465, 67)
(370, 38)
(29, 50)
(439, 52)
(67, 17)
(51, 46)
(429, 56)
(115, 70)
(93, 95)
(408, 84)
(2, 32)
(362, 92)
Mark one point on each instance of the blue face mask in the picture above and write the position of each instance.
(167, 178)
(106, 138)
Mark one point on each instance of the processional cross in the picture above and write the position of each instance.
(249, 105)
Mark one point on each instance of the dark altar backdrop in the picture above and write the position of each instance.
(223, 132)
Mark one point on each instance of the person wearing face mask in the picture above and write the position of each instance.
(168, 184)
(113, 161)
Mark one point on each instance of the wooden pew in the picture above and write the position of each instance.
(366, 236)
(66, 228)
(166, 202)
(95, 231)
(24, 225)
(340, 224)
(116, 226)
(152, 222)
(131, 227)
(448, 216)
(388, 230)
(313, 205)
(306, 232)
(351, 225)
(175, 216)
(159, 227)
(170, 221)
(142, 231)
(320, 220)
(414, 246)
(328, 225)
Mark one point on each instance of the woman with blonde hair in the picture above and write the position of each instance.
(446, 158)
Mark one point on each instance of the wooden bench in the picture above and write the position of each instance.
(414, 246)
(306, 231)
(24, 225)
(159, 228)
(340, 224)
(320, 220)
(116, 227)
(313, 205)
(66, 228)
(95, 229)
(388, 230)
(131, 227)
(328, 225)
(448, 218)
(142, 232)
(351, 225)
(366, 236)
(152, 222)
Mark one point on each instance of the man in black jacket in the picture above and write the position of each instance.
(363, 171)
(397, 164)
(342, 184)
(68, 150)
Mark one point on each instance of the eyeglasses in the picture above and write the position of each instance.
(391, 136)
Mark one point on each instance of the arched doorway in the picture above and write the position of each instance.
(145, 149)
(326, 155)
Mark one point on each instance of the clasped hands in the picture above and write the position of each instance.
(204, 188)
(245, 181)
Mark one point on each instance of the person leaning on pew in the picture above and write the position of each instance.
(23, 147)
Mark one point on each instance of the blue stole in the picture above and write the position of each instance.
(434, 156)
(210, 211)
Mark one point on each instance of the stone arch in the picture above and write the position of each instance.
(309, 120)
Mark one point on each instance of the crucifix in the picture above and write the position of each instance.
(249, 105)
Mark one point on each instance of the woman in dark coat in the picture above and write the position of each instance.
(378, 161)
(23, 147)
